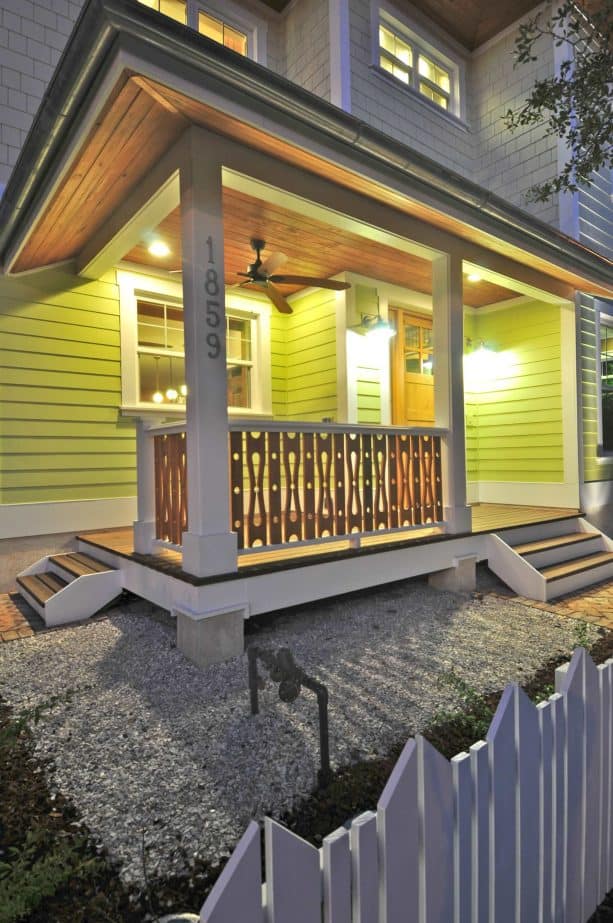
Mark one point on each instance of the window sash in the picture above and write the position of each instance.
(416, 78)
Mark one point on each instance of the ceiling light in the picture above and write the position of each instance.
(159, 248)
(473, 277)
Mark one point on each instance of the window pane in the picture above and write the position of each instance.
(606, 372)
(152, 4)
(211, 27)
(176, 9)
(434, 73)
(239, 386)
(238, 339)
(164, 375)
(235, 40)
(429, 93)
(151, 326)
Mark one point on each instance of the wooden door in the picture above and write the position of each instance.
(411, 369)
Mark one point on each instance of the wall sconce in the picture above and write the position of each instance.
(375, 327)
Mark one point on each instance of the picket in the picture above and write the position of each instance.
(546, 913)
(558, 777)
(574, 794)
(593, 807)
(480, 770)
(528, 756)
(364, 868)
(336, 865)
(398, 832)
(503, 832)
(517, 830)
(436, 821)
(237, 893)
(293, 877)
(463, 838)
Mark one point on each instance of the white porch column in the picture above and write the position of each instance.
(209, 547)
(448, 335)
(144, 526)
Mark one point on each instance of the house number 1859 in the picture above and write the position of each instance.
(213, 316)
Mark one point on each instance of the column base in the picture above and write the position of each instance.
(144, 534)
(210, 555)
(207, 638)
(461, 578)
(459, 519)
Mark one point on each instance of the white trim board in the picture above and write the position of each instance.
(18, 520)
(565, 495)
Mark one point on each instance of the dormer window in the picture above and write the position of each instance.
(414, 62)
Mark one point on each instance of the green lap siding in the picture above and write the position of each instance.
(60, 374)
(514, 428)
(309, 353)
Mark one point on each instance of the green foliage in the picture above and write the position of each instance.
(575, 105)
(477, 711)
(34, 873)
(581, 634)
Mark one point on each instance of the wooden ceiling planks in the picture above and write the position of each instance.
(132, 133)
(313, 247)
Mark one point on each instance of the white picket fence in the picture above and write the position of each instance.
(518, 830)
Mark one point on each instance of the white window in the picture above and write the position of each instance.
(223, 22)
(606, 383)
(153, 348)
(417, 63)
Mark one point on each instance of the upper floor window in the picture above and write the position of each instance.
(606, 382)
(414, 62)
(226, 23)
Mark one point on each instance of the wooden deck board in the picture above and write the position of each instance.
(487, 517)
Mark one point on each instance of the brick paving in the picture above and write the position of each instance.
(17, 618)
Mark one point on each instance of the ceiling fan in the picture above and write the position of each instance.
(262, 275)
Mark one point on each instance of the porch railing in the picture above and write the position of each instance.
(300, 482)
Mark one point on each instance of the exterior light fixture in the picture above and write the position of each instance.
(159, 248)
(376, 327)
(473, 277)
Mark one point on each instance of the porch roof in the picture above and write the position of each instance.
(128, 69)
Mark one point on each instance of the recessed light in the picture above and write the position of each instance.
(159, 248)
(473, 277)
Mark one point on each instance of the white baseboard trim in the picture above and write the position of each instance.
(18, 520)
(526, 494)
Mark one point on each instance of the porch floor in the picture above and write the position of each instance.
(487, 517)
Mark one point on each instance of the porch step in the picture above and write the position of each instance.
(545, 562)
(42, 586)
(578, 566)
(66, 588)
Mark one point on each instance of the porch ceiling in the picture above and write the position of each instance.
(143, 119)
(313, 247)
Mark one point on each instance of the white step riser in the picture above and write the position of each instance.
(82, 598)
(578, 581)
(540, 531)
(564, 553)
(31, 601)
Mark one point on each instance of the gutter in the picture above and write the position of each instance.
(106, 24)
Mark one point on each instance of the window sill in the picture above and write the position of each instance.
(444, 114)
(179, 410)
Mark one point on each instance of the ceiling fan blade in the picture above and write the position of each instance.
(310, 280)
(277, 299)
(273, 262)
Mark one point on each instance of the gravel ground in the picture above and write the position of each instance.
(151, 747)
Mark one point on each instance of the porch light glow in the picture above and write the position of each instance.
(473, 277)
(157, 397)
(159, 248)
(183, 390)
(378, 329)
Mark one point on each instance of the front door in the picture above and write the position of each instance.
(411, 367)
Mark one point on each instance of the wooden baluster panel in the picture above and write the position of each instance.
(237, 487)
(274, 488)
(182, 485)
(381, 511)
(308, 484)
(158, 450)
(393, 481)
(427, 478)
(366, 449)
(404, 451)
(292, 513)
(324, 467)
(257, 519)
(354, 500)
(340, 484)
(416, 482)
(438, 477)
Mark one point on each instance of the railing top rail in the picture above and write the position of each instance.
(298, 426)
